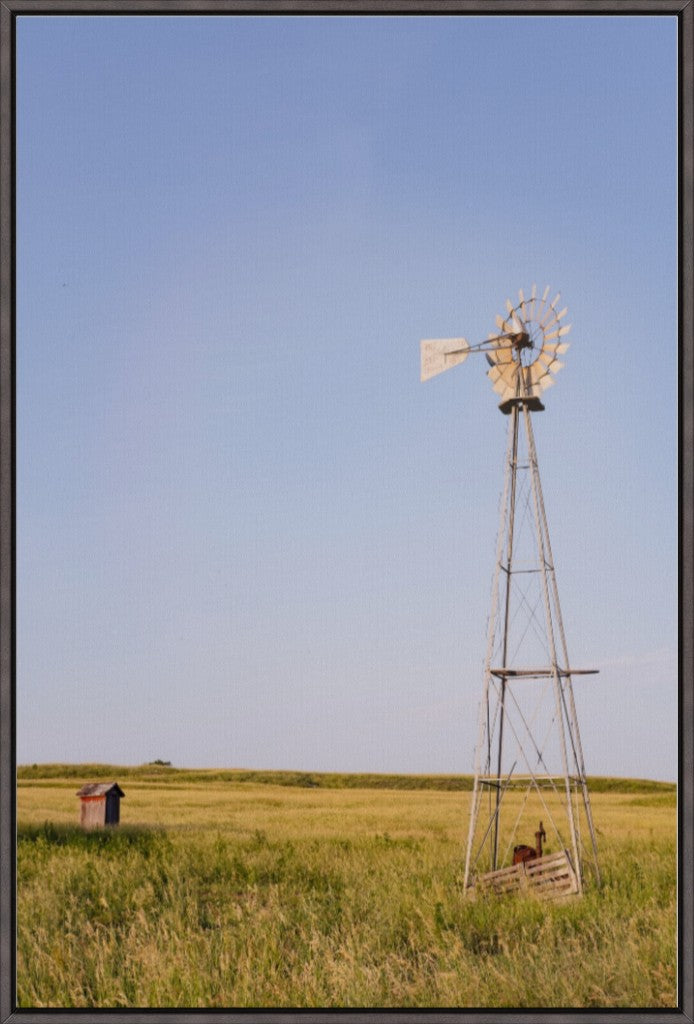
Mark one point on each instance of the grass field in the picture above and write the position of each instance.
(232, 889)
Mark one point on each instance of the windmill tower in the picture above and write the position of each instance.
(529, 766)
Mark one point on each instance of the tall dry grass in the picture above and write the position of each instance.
(237, 895)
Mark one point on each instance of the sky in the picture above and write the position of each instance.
(248, 535)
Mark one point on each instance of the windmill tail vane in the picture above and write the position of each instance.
(528, 760)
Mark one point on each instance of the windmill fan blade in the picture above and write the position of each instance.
(533, 294)
(552, 365)
(506, 374)
(552, 310)
(500, 322)
(559, 333)
(548, 317)
(503, 352)
(557, 347)
(439, 354)
(540, 373)
(504, 389)
(540, 311)
(502, 371)
(554, 319)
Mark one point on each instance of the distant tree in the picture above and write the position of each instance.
(164, 764)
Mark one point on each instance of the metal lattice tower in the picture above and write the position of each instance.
(528, 759)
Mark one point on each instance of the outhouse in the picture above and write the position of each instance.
(100, 804)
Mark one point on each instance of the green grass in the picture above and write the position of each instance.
(154, 772)
(250, 894)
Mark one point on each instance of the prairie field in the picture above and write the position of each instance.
(233, 889)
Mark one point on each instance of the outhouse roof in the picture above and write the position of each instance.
(99, 789)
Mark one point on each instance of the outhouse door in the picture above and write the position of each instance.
(112, 808)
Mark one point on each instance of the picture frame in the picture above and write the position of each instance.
(10, 11)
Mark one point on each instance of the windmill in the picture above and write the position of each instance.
(529, 764)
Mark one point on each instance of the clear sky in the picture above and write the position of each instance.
(247, 534)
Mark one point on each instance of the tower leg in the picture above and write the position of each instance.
(571, 716)
(512, 470)
(558, 693)
(483, 726)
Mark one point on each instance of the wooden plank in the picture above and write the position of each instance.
(559, 867)
(565, 882)
(549, 878)
(501, 872)
(543, 880)
(547, 858)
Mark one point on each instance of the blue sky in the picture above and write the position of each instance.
(247, 534)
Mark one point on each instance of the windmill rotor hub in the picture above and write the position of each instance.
(523, 348)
